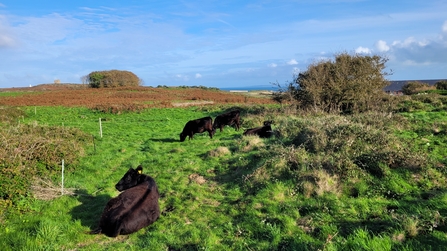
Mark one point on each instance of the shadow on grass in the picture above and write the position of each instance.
(232, 137)
(374, 226)
(184, 247)
(427, 242)
(90, 210)
(236, 172)
(165, 140)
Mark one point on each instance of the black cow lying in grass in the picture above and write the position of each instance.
(135, 208)
(197, 126)
(263, 131)
(230, 118)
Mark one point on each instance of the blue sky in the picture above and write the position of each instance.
(215, 43)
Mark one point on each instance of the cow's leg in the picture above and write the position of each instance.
(116, 229)
(210, 132)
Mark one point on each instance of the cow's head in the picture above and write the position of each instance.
(268, 123)
(182, 136)
(130, 179)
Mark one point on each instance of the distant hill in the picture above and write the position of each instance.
(398, 84)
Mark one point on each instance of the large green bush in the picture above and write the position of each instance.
(112, 78)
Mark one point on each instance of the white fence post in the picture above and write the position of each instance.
(100, 127)
(62, 187)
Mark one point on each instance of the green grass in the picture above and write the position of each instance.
(325, 183)
(11, 94)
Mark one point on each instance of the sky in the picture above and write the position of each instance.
(211, 43)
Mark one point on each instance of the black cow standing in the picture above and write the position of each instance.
(229, 118)
(263, 131)
(135, 208)
(197, 126)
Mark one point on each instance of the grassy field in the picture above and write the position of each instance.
(324, 182)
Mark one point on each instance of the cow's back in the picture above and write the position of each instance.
(197, 126)
(133, 209)
(228, 118)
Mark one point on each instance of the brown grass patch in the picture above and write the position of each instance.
(46, 190)
(123, 98)
(219, 152)
(197, 179)
(252, 143)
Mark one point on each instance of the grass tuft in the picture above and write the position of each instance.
(219, 152)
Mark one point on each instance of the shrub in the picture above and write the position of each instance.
(415, 87)
(112, 78)
(10, 114)
(350, 83)
(30, 150)
(340, 144)
(441, 85)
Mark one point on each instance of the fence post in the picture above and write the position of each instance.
(62, 187)
(100, 127)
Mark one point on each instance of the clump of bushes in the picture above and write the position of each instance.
(119, 108)
(317, 153)
(416, 87)
(10, 114)
(27, 151)
(441, 85)
(112, 78)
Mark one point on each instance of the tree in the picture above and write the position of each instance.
(350, 83)
(112, 78)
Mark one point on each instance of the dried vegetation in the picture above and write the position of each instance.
(115, 100)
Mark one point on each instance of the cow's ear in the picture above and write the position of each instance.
(140, 169)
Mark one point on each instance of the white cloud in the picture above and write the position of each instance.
(363, 50)
(198, 75)
(382, 46)
(6, 33)
(292, 62)
(273, 65)
(6, 41)
(182, 77)
(424, 52)
(411, 42)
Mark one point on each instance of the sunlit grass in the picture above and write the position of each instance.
(324, 183)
